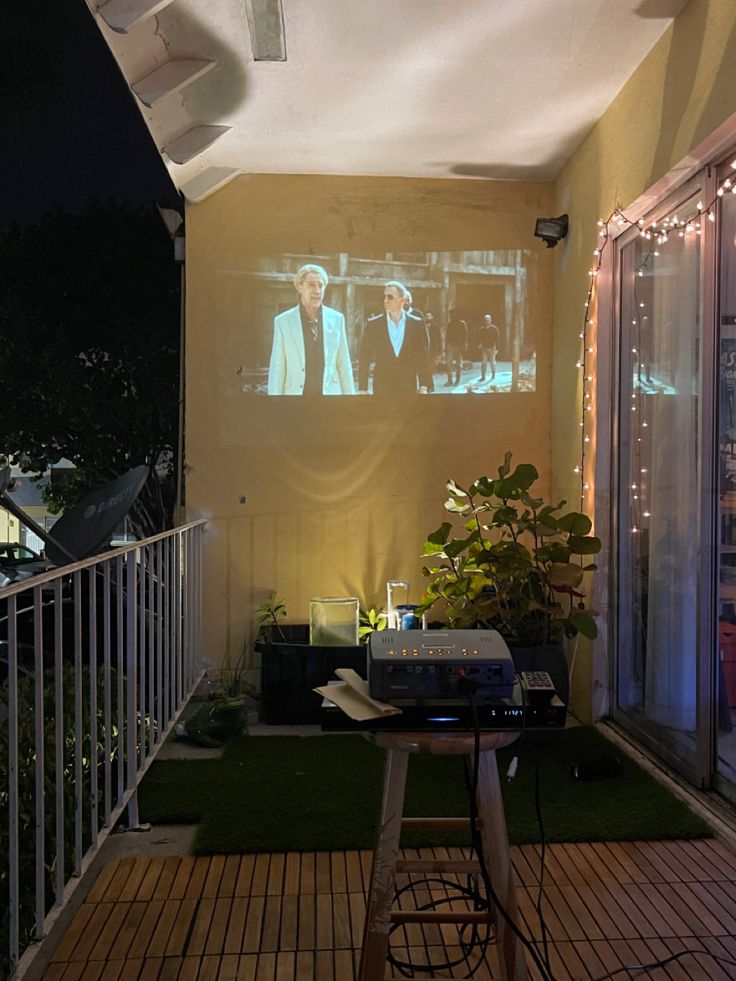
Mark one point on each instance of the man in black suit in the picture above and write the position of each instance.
(395, 344)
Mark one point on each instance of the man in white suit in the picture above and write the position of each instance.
(310, 354)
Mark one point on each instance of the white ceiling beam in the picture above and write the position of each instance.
(170, 77)
(196, 139)
(204, 184)
(119, 15)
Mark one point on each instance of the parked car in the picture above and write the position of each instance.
(13, 554)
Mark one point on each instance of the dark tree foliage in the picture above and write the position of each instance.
(89, 351)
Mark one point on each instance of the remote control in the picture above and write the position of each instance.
(538, 685)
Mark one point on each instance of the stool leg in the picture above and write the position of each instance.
(498, 862)
(383, 876)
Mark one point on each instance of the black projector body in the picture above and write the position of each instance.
(439, 664)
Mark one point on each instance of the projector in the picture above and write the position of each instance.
(439, 664)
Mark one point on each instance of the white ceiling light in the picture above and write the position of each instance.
(266, 26)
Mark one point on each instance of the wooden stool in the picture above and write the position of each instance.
(492, 826)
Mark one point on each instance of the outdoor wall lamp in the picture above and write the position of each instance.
(551, 230)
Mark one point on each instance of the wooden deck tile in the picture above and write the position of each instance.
(245, 875)
(64, 951)
(289, 922)
(275, 884)
(292, 874)
(127, 932)
(233, 942)
(103, 880)
(106, 938)
(218, 926)
(300, 916)
(150, 880)
(166, 879)
(146, 927)
(253, 922)
(304, 965)
(181, 879)
(259, 883)
(271, 923)
(323, 878)
(211, 886)
(200, 927)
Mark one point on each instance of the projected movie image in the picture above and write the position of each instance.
(434, 323)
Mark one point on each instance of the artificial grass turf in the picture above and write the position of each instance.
(313, 793)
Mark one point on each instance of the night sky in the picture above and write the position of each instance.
(71, 128)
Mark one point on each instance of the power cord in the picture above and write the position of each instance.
(477, 841)
(467, 946)
(663, 963)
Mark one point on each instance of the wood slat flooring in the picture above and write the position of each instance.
(299, 916)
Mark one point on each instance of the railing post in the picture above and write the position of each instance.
(93, 788)
(59, 742)
(78, 735)
(13, 803)
(131, 665)
(39, 748)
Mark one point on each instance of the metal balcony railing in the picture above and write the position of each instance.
(97, 659)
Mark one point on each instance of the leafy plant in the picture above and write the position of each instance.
(232, 683)
(368, 621)
(269, 614)
(514, 568)
(52, 783)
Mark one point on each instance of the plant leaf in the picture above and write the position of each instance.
(455, 489)
(456, 507)
(564, 574)
(584, 545)
(458, 545)
(575, 523)
(585, 624)
(524, 475)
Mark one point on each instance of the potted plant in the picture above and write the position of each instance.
(517, 567)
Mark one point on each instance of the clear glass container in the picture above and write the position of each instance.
(333, 621)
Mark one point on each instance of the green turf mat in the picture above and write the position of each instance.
(292, 793)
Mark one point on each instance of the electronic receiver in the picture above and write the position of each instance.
(456, 715)
(439, 664)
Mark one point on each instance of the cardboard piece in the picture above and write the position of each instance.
(351, 695)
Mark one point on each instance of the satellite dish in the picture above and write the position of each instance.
(86, 528)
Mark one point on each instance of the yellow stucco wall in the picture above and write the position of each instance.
(340, 493)
(680, 95)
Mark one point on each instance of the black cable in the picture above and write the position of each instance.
(663, 962)
(466, 946)
(478, 846)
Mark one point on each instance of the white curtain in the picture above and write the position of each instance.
(670, 659)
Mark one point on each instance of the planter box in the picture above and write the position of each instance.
(291, 668)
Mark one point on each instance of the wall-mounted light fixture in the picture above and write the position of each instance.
(551, 230)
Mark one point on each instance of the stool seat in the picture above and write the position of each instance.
(441, 743)
(491, 823)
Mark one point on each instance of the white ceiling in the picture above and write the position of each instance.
(502, 89)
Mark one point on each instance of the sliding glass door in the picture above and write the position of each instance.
(659, 452)
(725, 711)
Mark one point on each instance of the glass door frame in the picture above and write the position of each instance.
(700, 771)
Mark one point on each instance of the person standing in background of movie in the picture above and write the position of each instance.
(488, 344)
(394, 343)
(310, 353)
(456, 344)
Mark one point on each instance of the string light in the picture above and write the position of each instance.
(659, 230)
